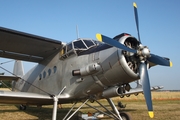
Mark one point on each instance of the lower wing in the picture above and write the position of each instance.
(10, 97)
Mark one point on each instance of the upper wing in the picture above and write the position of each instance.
(27, 47)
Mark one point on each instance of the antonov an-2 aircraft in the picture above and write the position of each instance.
(82, 70)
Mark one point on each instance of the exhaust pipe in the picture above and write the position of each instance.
(112, 92)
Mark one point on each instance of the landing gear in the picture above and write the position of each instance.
(22, 107)
(115, 114)
(125, 116)
(115, 109)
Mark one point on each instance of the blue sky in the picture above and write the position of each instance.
(159, 22)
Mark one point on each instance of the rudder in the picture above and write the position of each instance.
(18, 71)
(18, 68)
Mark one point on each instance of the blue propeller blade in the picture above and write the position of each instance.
(136, 20)
(146, 87)
(159, 60)
(113, 42)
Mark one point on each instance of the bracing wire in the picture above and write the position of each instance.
(25, 80)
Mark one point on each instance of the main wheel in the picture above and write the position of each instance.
(125, 116)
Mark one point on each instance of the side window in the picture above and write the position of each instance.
(70, 50)
(40, 76)
(44, 74)
(67, 51)
(54, 69)
(49, 72)
(69, 47)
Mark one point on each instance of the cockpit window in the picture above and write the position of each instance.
(79, 45)
(69, 47)
(76, 47)
(89, 43)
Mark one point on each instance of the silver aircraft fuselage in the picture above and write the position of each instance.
(88, 72)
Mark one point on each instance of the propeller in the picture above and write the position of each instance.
(142, 51)
(154, 58)
(144, 56)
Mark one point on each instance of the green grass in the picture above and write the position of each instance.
(166, 107)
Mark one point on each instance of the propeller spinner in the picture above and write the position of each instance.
(145, 56)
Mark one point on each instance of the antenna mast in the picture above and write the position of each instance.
(77, 31)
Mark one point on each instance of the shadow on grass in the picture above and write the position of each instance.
(35, 113)
(45, 113)
(127, 110)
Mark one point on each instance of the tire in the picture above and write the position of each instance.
(125, 116)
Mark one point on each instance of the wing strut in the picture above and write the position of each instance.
(55, 107)
(55, 98)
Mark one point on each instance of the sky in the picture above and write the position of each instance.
(159, 24)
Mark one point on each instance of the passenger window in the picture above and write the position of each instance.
(49, 72)
(55, 69)
(44, 74)
(40, 76)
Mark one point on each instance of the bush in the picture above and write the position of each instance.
(4, 84)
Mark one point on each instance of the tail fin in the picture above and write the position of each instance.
(18, 71)
(18, 68)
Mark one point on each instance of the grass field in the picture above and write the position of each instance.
(166, 107)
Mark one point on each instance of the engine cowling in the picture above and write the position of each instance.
(131, 59)
(121, 67)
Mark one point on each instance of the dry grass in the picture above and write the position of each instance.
(166, 107)
(5, 89)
